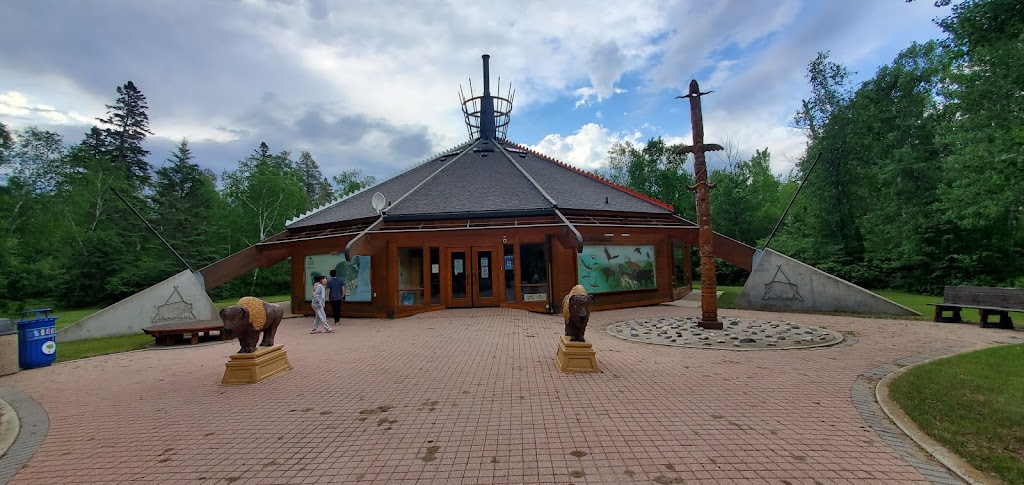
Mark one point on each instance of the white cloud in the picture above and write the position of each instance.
(587, 148)
(384, 77)
(587, 95)
(605, 63)
(17, 105)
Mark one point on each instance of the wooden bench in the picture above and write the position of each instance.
(989, 302)
(174, 332)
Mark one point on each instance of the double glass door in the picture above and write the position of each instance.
(472, 277)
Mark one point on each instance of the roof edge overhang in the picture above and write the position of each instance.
(470, 215)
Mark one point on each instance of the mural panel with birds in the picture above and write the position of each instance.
(605, 268)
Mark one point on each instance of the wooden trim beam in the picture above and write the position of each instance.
(360, 243)
(575, 242)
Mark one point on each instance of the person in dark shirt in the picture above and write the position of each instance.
(336, 293)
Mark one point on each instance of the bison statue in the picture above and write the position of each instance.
(576, 312)
(250, 317)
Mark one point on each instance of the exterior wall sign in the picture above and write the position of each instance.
(604, 268)
(356, 274)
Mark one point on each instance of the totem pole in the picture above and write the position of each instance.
(708, 285)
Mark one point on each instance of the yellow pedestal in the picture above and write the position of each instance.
(264, 363)
(575, 356)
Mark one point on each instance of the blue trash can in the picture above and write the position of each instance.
(36, 345)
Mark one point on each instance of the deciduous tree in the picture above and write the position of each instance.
(350, 182)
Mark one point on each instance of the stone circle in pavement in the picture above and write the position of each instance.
(738, 334)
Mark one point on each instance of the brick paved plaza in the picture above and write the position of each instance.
(473, 396)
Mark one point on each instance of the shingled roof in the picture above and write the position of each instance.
(486, 178)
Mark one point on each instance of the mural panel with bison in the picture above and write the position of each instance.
(604, 268)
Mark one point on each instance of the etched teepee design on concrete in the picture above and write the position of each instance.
(818, 291)
(778, 289)
(174, 310)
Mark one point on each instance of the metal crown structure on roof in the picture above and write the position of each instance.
(487, 116)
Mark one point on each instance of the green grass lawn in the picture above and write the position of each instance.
(920, 303)
(728, 297)
(111, 345)
(909, 300)
(973, 404)
(81, 349)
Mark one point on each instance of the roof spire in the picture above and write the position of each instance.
(487, 105)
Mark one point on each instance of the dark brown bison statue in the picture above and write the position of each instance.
(248, 319)
(576, 311)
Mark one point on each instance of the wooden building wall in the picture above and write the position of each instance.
(383, 249)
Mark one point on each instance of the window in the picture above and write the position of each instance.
(435, 277)
(679, 269)
(508, 263)
(458, 269)
(410, 276)
(533, 272)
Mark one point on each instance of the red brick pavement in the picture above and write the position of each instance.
(473, 396)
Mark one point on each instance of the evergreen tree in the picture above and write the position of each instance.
(185, 204)
(318, 189)
(96, 143)
(127, 125)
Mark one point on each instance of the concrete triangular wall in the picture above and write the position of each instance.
(180, 297)
(781, 283)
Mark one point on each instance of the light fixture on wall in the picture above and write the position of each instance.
(504, 239)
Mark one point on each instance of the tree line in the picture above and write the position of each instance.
(919, 181)
(67, 240)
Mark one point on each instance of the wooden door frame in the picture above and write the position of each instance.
(470, 269)
(497, 280)
(447, 275)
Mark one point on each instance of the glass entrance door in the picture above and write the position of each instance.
(458, 267)
(472, 279)
(485, 278)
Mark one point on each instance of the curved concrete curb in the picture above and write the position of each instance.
(951, 460)
(9, 426)
(34, 424)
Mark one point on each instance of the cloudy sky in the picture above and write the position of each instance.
(374, 85)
